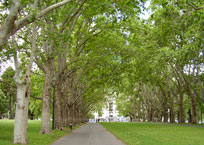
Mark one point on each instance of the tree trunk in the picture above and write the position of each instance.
(21, 114)
(70, 115)
(165, 110)
(134, 118)
(172, 114)
(80, 116)
(152, 113)
(189, 116)
(143, 113)
(159, 112)
(159, 116)
(49, 72)
(76, 115)
(73, 115)
(47, 94)
(180, 101)
(32, 116)
(10, 107)
(64, 114)
(23, 95)
(164, 104)
(58, 119)
(149, 114)
(194, 110)
(65, 111)
(193, 103)
(192, 95)
(181, 113)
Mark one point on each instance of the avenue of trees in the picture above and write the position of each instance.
(164, 77)
(69, 54)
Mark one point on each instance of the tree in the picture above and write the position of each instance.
(13, 23)
(9, 89)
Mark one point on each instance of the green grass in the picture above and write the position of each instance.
(34, 136)
(156, 134)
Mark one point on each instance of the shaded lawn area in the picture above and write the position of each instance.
(155, 134)
(34, 136)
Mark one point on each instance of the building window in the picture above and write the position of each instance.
(111, 105)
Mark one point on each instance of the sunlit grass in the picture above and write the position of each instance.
(156, 134)
(34, 136)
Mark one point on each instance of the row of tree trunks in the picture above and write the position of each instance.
(165, 108)
(157, 108)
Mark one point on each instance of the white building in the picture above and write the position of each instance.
(110, 113)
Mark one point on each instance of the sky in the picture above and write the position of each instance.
(145, 14)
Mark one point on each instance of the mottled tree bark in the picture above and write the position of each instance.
(181, 113)
(48, 69)
(23, 95)
(47, 94)
(172, 114)
(165, 109)
(64, 114)
(58, 119)
(159, 112)
(164, 105)
(21, 113)
(194, 110)
(70, 115)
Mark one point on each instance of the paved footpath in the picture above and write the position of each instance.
(89, 134)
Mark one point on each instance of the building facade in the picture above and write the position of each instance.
(110, 113)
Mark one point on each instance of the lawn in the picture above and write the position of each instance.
(34, 136)
(156, 134)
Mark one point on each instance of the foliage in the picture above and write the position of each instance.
(35, 105)
(8, 88)
(4, 104)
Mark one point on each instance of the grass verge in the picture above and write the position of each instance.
(34, 136)
(155, 134)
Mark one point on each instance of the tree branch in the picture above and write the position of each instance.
(9, 22)
(196, 8)
(38, 98)
(10, 27)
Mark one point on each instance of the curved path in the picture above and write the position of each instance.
(89, 134)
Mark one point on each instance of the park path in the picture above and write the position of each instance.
(89, 134)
